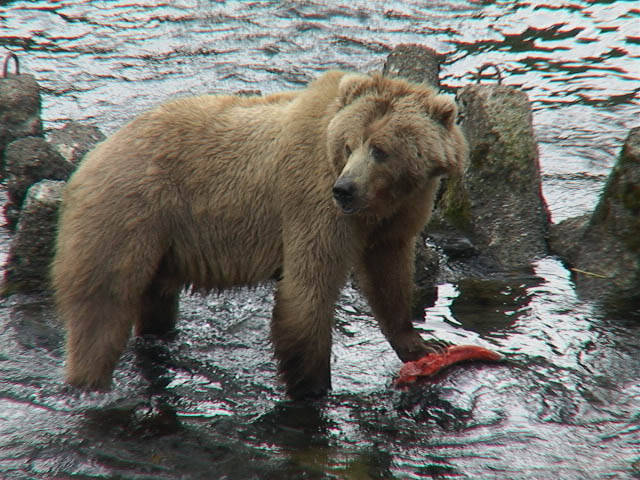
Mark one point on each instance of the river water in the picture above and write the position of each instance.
(204, 405)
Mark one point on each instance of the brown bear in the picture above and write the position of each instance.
(211, 192)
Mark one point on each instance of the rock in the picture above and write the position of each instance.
(494, 217)
(497, 205)
(564, 237)
(27, 161)
(32, 247)
(604, 251)
(249, 92)
(416, 63)
(19, 109)
(427, 268)
(74, 140)
(419, 64)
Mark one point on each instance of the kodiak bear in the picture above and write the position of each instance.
(212, 192)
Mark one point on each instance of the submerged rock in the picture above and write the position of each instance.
(27, 161)
(497, 205)
(19, 109)
(604, 249)
(32, 247)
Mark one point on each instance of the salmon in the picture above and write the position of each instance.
(432, 363)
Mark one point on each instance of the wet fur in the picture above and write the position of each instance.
(220, 191)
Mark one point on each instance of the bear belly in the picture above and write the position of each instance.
(234, 251)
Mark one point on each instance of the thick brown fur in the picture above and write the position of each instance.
(219, 191)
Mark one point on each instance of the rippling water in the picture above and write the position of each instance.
(206, 405)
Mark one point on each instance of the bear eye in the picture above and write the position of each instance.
(347, 151)
(378, 154)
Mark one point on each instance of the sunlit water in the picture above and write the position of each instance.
(566, 403)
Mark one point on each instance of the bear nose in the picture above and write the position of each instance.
(344, 191)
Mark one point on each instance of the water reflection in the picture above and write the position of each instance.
(490, 306)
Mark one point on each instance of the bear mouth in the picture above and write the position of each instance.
(347, 208)
(345, 197)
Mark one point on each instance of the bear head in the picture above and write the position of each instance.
(388, 140)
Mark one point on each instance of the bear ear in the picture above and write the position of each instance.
(352, 86)
(443, 110)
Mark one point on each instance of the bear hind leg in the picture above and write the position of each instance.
(159, 312)
(159, 307)
(96, 337)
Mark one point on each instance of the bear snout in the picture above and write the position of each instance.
(345, 194)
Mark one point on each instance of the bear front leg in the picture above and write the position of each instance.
(314, 270)
(385, 275)
(301, 337)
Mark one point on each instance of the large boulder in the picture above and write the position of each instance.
(496, 209)
(32, 247)
(416, 63)
(74, 140)
(494, 217)
(27, 161)
(19, 109)
(603, 249)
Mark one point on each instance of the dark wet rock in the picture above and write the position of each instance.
(453, 244)
(249, 92)
(564, 237)
(604, 249)
(74, 140)
(27, 161)
(416, 63)
(31, 249)
(37, 326)
(497, 206)
(19, 109)
(427, 268)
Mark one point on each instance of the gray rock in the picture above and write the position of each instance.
(498, 203)
(27, 161)
(74, 140)
(32, 247)
(604, 252)
(19, 109)
(495, 217)
(416, 63)
(564, 237)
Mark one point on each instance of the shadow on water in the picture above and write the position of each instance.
(205, 403)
